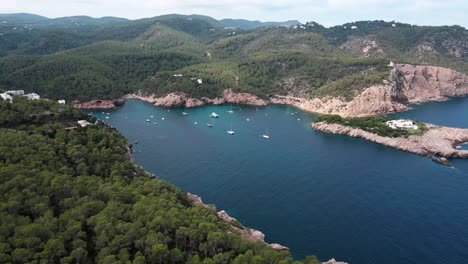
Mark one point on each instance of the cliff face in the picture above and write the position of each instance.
(176, 99)
(439, 141)
(378, 99)
(428, 83)
(99, 104)
(245, 232)
(408, 85)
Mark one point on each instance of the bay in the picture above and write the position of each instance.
(319, 194)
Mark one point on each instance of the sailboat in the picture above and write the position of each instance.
(231, 132)
(266, 135)
(231, 111)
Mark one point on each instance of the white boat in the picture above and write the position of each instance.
(107, 117)
(196, 123)
(155, 123)
(147, 120)
(209, 125)
(231, 111)
(152, 116)
(184, 113)
(214, 115)
(162, 118)
(266, 135)
(231, 132)
(248, 119)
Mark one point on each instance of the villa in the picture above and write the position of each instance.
(402, 124)
(6, 96)
(33, 96)
(84, 123)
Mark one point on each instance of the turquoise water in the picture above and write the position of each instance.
(319, 194)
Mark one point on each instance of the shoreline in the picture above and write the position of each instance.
(439, 143)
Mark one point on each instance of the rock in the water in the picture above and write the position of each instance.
(333, 261)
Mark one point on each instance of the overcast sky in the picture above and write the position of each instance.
(327, 12)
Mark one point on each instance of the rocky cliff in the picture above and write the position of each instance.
(245, 232)
(438, 141)
(176, 99)
(407, 84)
(418, 84)
(99, 104)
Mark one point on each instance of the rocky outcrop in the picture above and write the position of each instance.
(177, 99)
(333, 261)
(99, 104)
(246, 233)
(438, 142)
(408, 85)
(420, 84)
(375, 100)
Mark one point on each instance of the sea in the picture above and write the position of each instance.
(319, 194)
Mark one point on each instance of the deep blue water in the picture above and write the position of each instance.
(319, 194)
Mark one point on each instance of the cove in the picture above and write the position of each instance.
(319, 194)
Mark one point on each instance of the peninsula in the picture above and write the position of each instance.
(436, 142)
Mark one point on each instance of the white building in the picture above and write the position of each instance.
(33, 96)
(200, 81)
(61, 101)
(84, 123)
(6, 96)
(402, 124)
(15, 92)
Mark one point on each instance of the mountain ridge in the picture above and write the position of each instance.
(164, 54)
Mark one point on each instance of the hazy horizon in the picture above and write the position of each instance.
(326, 12)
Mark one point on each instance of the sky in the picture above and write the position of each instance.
(326, 12)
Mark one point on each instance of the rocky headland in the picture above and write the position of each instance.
(99, 104)
(438, 143)
(179, 99)
(245, 232)
(406, 85)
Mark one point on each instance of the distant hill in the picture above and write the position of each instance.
(88, 58)
(248, 24)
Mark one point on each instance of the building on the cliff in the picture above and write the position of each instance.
(402, 124)
(6, 96)
(33, 96)
(61, 101)
(84, 123)
(15, 92)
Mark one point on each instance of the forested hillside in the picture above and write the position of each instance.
(81, 58)
(73, 196)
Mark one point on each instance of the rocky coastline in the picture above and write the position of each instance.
(438, 143)
(245, 232)
(99, 104)
(408, 84)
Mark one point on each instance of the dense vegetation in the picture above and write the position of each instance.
(84, 58)
(74, 196)
(374, 124)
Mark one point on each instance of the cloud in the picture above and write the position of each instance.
(328, 12)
